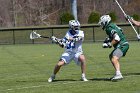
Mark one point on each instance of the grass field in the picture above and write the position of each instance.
(26, 68)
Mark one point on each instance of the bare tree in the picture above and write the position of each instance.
(47, 12)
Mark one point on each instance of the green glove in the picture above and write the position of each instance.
(128, 17)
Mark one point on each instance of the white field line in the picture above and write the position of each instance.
(38, 86)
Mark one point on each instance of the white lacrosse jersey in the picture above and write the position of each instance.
(74, 46)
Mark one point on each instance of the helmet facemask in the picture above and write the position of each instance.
(74, 26)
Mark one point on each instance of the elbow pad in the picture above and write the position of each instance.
(116, 37)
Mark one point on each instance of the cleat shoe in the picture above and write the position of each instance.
(84, 79)
(117, 77)
(51, 79)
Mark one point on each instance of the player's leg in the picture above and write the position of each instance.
(80, 59)
(83, 66)
(58, 66)
(114, 57)
(65, 59)
(56, 69)
(116, 64)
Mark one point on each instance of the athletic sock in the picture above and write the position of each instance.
(83, 75)
(118, 73)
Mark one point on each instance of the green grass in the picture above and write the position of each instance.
(26, 68)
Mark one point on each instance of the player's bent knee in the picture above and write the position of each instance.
(114, 59)
(60, 63)
(82, 58)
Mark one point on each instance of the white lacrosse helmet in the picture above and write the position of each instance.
(104, 20)
(74, 24)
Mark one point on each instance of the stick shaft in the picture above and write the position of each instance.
(120, 7)
(44, 37)
(128, 19)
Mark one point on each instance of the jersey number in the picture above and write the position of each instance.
(71, 45)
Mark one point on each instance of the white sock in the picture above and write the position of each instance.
(83, 75)
(118, 73)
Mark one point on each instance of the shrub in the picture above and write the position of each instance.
(136, 16)
(65, 17)
(113, 16)
(94, 17)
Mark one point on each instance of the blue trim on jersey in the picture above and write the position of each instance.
(72, 32)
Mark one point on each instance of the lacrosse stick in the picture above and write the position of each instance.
(34, 35)
(138, 35)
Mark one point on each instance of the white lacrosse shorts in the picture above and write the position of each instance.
(67, 57)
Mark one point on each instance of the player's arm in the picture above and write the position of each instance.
(79, 37)
(75, 38)
(137, 23)
(60, 42)
(109, 42)
(116, 39)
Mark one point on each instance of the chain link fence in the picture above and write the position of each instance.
(93, 33)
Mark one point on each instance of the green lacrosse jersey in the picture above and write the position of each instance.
(112, 29)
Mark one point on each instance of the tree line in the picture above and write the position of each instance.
(17, 13)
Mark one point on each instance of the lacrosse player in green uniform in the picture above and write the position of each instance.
(117, 39)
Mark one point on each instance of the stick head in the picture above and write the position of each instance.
(34, 35)
(31, 35)
(138, 36)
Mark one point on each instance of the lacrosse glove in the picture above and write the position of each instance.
(107, 43)
(58, 41)
(128, 17)
(61, 43)
(54, 39)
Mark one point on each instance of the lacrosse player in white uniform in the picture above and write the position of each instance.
(72, 42)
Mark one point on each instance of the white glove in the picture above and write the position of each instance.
(61, 43)
(107, 45)
(107, 40)
(58, 41)
(54, 39)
